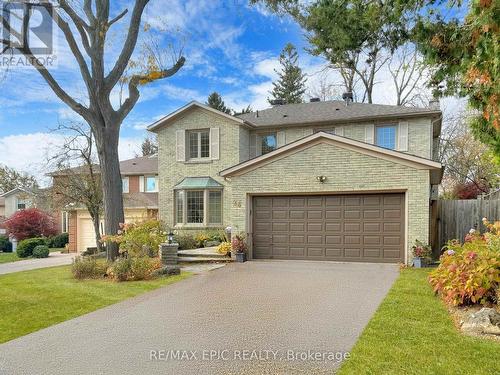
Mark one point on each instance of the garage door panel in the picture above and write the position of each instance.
(357, 227)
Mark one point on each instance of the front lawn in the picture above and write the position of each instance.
(32, 300)
(9, 257)
(412, 333)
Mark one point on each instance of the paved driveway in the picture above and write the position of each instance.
(54, 259)
(251, 316)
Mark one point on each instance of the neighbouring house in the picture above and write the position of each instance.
(330, 180)
(13, 201)
(140, 195)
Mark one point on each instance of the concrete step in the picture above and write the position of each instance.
(199, 259)
(204, 252)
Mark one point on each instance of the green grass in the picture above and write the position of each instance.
(412, 333)
(32, 300)
(9, 257)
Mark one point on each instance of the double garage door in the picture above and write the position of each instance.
(364, 228)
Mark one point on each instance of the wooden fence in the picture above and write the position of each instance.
(452, 219)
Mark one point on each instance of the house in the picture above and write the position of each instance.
(329, 180)
(140, 195)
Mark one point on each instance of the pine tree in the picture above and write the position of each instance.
(290, 85)
(248, 109)
(149, 147)
(215, 101)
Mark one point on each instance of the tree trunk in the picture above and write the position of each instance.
(96, 221)
(107, 148)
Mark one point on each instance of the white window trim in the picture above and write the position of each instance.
(188, 144)
(396, 135)
(205, 222)
(260, 137)
(127, 184)
(64, 214)
(146, 183)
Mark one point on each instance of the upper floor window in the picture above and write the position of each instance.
(22, 203)
(198, 143)
(269, 142)
(125, 185)
(385, 136)
(151, 184)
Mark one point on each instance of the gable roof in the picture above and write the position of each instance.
(135, 166)
(329, 112)
(365, 148)
(194, 104)
(16, 190)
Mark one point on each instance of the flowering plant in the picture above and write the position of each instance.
(420, 250)
(238, 243)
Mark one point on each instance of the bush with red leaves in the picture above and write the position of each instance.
(470, 190)
(31, 223)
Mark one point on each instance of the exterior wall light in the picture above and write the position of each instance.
(321, 179)
(170, 237)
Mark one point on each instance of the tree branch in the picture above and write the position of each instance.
(118, 17)
(137, 79)
(80, 24)
(129, 46)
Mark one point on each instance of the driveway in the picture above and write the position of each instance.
(260, 317)
(54, 259)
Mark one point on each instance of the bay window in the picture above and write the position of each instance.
(198, 207)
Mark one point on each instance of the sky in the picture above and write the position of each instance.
(230, 47)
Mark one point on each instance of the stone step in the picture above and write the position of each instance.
(200, 253)
(199, 259)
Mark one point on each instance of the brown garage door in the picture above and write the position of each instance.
(364, 228)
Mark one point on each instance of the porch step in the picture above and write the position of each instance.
(209, 252)
(203, 259)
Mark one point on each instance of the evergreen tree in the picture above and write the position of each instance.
(248, 109)
(149, 147)
(215, 101)
(290, 85)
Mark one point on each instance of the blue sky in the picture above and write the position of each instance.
(230, 48)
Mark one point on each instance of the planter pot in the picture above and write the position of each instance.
(418, 262)
(241, 257)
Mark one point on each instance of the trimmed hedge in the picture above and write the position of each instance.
(25, 247)
(58, 241)
(5, 244)
(41, 251)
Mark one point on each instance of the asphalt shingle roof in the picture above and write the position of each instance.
(328, 111)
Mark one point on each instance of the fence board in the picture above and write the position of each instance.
(455, 218)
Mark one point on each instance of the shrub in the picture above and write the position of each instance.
(421, 250)
(140, 239)
(88, 268)
(31, 223)
(142, 268)
(120, 269)
(185, 241)
(238, 243)
(200, 239)
(224, 248)
(26, 247)
(58, 241)
(41, 251)
(135, 268)
(5, 244)
(469, 273)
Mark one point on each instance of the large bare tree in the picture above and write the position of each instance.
(76, 178)
(85, 29)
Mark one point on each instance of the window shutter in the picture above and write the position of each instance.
(280, 138)
(339, 131)
(180, 138)
(141, 184)
(214, 143)
(403, 136)
(253, 145)
(370, 133)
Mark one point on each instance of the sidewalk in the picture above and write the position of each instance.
(54, 259)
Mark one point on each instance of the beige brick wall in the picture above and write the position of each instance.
(419, 133)
(346, 171)
(233, 149)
